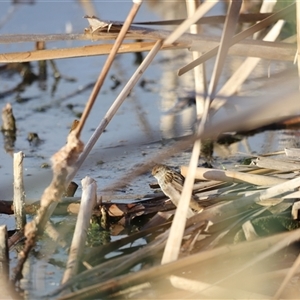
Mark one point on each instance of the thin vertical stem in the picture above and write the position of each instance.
(107, 65)
(19, 194)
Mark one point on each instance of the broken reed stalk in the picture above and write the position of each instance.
(116, 105)
(88, 201)
(8, 120)
(8, 127)
(281, 51)
(19, 193)
(62, 163)
(107, 65)
(7, 291)
(233, 176)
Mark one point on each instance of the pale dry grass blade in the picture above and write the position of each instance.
(233, 176)
(276, 164)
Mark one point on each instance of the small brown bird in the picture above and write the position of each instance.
(171, 183)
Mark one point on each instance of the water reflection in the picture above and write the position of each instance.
(178, 116)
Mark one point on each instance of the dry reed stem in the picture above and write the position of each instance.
(240, 36)
(233, 176)
(107, 65)
(19, 193)
(116, 105)
(265, 50)
(62, 163)
(88, 201)
(90, 50)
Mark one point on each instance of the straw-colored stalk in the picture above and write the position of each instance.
(233, 176)
(19, 193)
(275, 164)
(116, 105)
(118, 42)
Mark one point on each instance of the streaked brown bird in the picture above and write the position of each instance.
(171, 183)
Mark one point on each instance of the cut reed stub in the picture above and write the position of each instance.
(8, 120)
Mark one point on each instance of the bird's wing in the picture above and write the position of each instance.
(178, 182)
